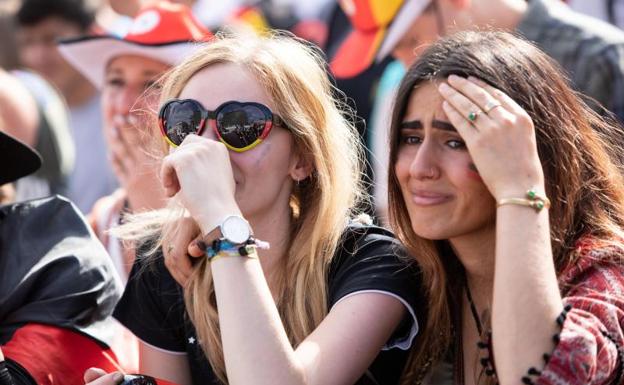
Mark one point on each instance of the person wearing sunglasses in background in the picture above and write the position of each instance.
(513, 204)
(268, 170)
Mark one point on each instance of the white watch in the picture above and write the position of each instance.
(235, 230)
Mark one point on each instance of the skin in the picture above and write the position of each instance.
(18, 109)
(132, 7)
(442, 196)
(124, 106)
(425, 30)
(39, 52)
(505, 250)
(456, 15)
(257, 184)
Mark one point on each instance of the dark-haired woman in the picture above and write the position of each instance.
(503, 187)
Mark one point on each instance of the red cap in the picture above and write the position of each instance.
(163, 31)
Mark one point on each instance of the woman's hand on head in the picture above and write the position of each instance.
(180, 251)
(499, 135)
(97, 376)
(200, 174)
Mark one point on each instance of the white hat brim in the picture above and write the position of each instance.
(406, 17)
(90, 55)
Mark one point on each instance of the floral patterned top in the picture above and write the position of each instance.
(591, 342)
(589, 349)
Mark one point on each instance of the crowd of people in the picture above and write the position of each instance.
(355, 192)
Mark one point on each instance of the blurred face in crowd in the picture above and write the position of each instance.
(444, 194)
(425, 30)
(38, 50)
(131, 7)
(126, 79)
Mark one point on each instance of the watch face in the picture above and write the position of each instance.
(235, 229)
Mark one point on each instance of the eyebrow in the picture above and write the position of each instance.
(146, 73)
(417, 125)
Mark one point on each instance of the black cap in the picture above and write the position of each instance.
(16, 159)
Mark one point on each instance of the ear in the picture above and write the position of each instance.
(301, 167)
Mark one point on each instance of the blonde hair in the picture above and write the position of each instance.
(294, 77)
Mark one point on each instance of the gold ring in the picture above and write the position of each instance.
(490, 106)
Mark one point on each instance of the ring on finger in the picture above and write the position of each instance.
(490, 106)
(473, 115)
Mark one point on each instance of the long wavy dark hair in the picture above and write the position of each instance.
(582, 166)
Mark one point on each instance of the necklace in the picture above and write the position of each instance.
(486, 362)
(473, 310)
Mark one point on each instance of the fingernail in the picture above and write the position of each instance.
(444, 87)
(118, 377)
(454, 78)
(201, 244)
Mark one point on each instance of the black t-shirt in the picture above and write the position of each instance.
(368, 259)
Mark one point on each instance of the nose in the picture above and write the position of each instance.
(126, 101)
(425, 164)
(208, 130)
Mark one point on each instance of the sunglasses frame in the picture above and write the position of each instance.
(209, 116)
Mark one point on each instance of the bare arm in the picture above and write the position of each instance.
(526, 296)
(526, 299)
(160, 364)
(257, 350)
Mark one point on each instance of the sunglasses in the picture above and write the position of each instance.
(240, 126)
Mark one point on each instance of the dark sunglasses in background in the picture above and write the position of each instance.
(239, 125)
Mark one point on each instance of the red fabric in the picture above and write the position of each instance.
(594, 287)
(55, 356)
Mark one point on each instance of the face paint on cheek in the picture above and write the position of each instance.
(473, 173)
(264, 149)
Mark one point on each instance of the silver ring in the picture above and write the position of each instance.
(490, 106)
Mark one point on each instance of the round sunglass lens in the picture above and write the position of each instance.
(240, 125)
(182, 119)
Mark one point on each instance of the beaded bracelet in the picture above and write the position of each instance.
(243, 251)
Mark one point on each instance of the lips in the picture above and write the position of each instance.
(428, 198)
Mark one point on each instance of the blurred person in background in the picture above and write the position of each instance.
(41, 23)
(590, 51)
(57, 285)
(124, 69)
(43, 126)
(607, 10)
(34, 114)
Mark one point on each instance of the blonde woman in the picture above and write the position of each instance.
(274, 157)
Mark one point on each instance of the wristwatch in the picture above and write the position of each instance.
(233, 229)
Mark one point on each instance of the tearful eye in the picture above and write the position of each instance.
(456, 144)
(411, 139)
